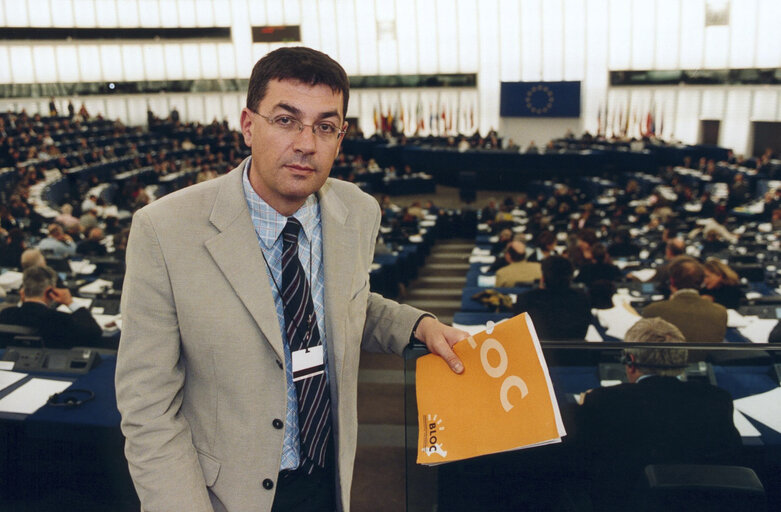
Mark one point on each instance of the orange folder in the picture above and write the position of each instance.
(502, 401)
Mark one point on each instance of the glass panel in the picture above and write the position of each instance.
(643, 31)
(326, 10)
(67, 63)
(40, 13)
(212, 108)
(489, 65)
(204, 14)
(692, 34)
(619, 24)
(21, 56)
(45, 64)
(16, 14)
(292, 9)
(765, 105)
(173, 61)
(406, 39)
(428, 56)
(736, 126)
(226, 60)
(574, 39)
(467, 36)
(668, 34)
(346, 32)
(275, 14)
(552, 41)
(194, 109)
(510, 40)
(116, 109)
(716, 46)
(367, 38)
(531, 40)
(769, 34)
(89, 63)
(743, 33)
(186, 12)
(209, 67)
(169, 14)
(192, 57)
(128, 13)
(136, 110)
(106, 14)
(133, 62)
(5, 66)
(149, 11)
(154, 62)
(447, 35)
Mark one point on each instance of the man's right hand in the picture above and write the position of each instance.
(61, 296)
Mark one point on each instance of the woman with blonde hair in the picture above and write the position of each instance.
(722, 284)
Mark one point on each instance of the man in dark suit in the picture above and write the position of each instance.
(654, 418)
(58, 329)
(559, 312)
(698, 318)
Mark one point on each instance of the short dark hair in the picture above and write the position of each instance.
(686, 272)
(299, 64)
(556, 272)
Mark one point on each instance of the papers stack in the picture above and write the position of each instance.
(11, 280)
(503, 400)
(32, 395)
(764, 408)
(616, 320)
(82, 267)
(96, 287)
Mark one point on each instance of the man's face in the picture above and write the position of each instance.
(288, 166)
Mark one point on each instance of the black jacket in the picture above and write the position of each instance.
(58, 329)
(557, 314)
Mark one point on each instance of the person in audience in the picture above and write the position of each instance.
(12, 247)
(717, 226)
(546, 246)
(698, 318)
(505, 237)
(57, 329)
(58, 242)
(518, 271)
(775, 334)
(32, 258)
(601, 269)
(66, 218)
(88, 220)
(622, 245)
(721, 284)
(674, 248)
(92, 245)
(558, 311)
(653, 418)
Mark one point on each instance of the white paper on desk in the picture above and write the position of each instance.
(645, 274)
(485, 268)
(486, 281)
(82, 302)
(32, 395)
(617, 320)
(11, 280)
(764, 407)
(481, 252)
(758, 330)
(482, 259)
(8, 378)
(107, 322)
(416, 239)
(82, 267)
(592, 334)
(735, 319)
(95, 287)
(744, 426)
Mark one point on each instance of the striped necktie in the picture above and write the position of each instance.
(314, 401)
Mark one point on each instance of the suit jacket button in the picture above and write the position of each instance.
(268, 484)
(277, 423)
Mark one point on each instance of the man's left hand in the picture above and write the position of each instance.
(439, 339)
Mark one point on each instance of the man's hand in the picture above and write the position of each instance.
(61, 296)
(439, 339)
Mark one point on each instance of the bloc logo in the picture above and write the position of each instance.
(433, 429)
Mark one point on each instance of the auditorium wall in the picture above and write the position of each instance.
(500, 40)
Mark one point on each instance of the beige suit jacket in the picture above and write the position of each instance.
(200, 372)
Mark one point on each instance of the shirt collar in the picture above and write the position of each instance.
(268, 222)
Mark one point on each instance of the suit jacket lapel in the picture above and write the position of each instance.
(236, 252)
(339, 264)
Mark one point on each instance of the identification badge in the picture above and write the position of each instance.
(308, 363)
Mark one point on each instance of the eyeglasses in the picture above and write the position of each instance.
(285, 123)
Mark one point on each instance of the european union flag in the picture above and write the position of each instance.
(540, 99)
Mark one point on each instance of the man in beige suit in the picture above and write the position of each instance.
(205, 368)
(518, 271)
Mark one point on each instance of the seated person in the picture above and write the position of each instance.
(601, 269)
(504, 238)
(546, 246)
(518, 270)
(92, 246)
(58, 329)
(558, 311)
(722, 284)
(32, 258)
(654, 418)
(622, 245)
(58, 243)
(698, 318)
